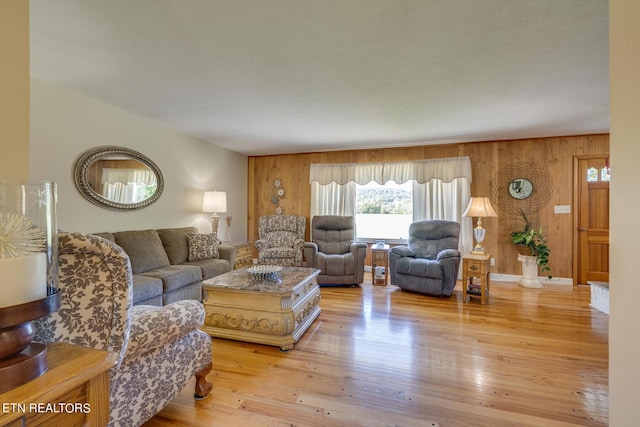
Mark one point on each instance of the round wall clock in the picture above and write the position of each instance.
(520, 188)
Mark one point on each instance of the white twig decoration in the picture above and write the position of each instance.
(19, 236)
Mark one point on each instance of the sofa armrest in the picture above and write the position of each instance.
(153, 327)
(310, 253)
(261, 244)
(228, 252)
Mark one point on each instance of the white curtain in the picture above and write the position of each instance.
(127, 185)
(441, 188)
(399, 172)
(333, 199)
(438, 199)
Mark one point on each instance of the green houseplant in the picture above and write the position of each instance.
(531, 241)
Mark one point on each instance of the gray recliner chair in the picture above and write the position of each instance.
(334, 251)
(429, 264)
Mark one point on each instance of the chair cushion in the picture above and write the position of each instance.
(175, 243)
(419, 267)
(144, 248)
(202, 246)
(424, 248)
(335, 264)
(281, 239)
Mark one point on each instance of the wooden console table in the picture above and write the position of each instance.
(73, 392)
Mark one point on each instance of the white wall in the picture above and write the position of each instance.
(64, 124)
(624, 338)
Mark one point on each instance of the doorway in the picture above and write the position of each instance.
(591, 216)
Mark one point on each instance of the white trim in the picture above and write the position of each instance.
(496, 277)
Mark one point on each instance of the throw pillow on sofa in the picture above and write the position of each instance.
(202, 246)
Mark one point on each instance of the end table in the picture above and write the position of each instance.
(478, 266)
(380, 257)
(244, 256)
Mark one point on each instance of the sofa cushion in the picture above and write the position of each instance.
(108, 236)
(145, 288)
(211, 267)
(202, 246)
(175, 243)
(144, 248)
(176, 276)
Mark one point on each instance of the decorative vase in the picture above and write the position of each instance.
(529, 272)
(28, 276)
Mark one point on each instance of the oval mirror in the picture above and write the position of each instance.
(118, 178)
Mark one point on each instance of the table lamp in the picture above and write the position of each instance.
(479, 207)
(214, 202)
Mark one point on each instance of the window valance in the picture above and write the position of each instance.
(420, 171)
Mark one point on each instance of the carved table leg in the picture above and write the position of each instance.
(203, 387)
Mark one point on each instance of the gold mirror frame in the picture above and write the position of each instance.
(93, 155)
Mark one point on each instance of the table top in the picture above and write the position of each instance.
(242, 280)
(376, 247)
(478, 257)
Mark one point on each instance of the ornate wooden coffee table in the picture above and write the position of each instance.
(268, 312)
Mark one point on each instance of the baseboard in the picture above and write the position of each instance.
(496, 277)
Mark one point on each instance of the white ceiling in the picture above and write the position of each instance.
(280, 76)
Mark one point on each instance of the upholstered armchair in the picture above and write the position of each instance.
(280, 240)
(334, 251)
(158, 349)
(429, 264)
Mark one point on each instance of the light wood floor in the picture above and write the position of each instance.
(378, 356)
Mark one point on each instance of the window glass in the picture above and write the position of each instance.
(384, 211)
(592, 175)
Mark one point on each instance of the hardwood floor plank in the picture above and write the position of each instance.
(378, 356)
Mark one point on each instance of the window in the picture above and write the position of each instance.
(384, 211)
(431, 189)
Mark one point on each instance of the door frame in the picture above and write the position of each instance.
(576, 204)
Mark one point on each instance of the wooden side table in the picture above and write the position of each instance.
(478, 266)
(244, 255)
(73, 392)
(380, 258)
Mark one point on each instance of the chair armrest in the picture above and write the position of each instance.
(153, 327)
(261, 244)
(310, 253)
(356, 247)
(448, 253)
(402, 251)
(298, 243)
(228, 252)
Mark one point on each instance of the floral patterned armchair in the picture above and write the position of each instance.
(281, 239)
(158, 348)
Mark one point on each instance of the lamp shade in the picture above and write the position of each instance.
(214, 201)
(480, 207)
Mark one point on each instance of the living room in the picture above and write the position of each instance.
(63, 124)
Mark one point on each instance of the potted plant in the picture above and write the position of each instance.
(531, 241)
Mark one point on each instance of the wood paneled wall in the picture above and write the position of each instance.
(555, 155)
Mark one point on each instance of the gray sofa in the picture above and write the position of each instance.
(162, 273)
